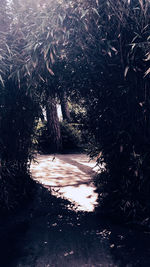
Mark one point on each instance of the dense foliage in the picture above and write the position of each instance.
(70, 135)
(98, 51)
(118, 108)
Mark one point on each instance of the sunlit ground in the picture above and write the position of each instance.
(69, 175)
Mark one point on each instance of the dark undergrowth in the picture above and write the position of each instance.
(118, 205)
(49, 231)
(17, 188)
(71, 136)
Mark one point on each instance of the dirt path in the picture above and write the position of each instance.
(70, 175)
(50, 233)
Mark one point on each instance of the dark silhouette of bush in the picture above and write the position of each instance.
(70, 134)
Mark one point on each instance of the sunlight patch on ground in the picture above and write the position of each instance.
(83, 196)
(71, 175)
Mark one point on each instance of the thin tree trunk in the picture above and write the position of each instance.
(65, 108)
(53, 125)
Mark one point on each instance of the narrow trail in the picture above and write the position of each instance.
(49, 232)
(69, 175)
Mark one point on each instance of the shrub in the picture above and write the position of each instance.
(118, 109)
(71, 136)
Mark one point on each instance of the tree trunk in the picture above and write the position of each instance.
(65, 108)
(53, 125)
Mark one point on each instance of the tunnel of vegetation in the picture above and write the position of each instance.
(92, 58)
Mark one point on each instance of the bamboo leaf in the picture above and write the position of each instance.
(41, 78)
(49, 69)
(95, 10)
(18, 76)
(126, 71)
(2, 81)
(84, 13)
(52, 57)
(26, 66)
(35, 47)
(8, 49)
(147, 57)
(147, 72)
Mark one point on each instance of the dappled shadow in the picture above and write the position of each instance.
(71, 174)
(129, 246)
(83, 166)
(49, 233)
(61, 236)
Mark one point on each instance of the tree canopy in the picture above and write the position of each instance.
(95, 50)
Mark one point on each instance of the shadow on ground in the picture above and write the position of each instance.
(70, 174)
(49, 233)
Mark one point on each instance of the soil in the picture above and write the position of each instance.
(50, 231)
